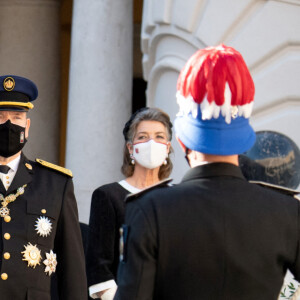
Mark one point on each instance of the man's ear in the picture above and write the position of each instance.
(27, 128)
(182, 146)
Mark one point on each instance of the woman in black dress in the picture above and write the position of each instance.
(145, 162)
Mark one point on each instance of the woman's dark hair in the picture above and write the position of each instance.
(129, 131)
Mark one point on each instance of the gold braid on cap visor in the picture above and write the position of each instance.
(21, 104)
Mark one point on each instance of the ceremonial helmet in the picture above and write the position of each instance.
(215, 93)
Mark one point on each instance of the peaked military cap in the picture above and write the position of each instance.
(17, 93)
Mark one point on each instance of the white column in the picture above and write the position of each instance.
(29, 47)
(99, 94)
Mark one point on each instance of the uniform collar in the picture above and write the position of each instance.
(14, 164)
(213, 170)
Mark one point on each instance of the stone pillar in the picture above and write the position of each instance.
(99, 94)
(29, 47)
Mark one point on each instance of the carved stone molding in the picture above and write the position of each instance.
(267, 33)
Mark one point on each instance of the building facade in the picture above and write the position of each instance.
(84, 57)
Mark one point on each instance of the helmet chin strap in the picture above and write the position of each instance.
(186, 156)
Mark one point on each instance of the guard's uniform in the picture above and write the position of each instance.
(48, 194)
(214, 236)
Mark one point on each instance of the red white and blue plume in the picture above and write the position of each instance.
(218, 80)
(215, 94)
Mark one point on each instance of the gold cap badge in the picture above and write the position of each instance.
(9, 84)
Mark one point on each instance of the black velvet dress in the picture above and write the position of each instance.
(106, 217)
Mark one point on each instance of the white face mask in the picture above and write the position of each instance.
(150, 154)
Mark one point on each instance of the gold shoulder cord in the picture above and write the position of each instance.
(54, 167)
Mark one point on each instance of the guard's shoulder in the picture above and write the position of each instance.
(163, 183)
(54, 167)
(278, 188)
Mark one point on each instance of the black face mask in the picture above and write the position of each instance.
(12, 139)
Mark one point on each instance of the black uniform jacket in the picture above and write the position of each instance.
(51, 191)
(106, 217)
(214, 236)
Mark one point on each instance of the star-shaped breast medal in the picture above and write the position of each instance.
(32, 255)
(43, 226)
(50, 262)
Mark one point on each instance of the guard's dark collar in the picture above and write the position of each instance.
(213, 170)
(162, 183)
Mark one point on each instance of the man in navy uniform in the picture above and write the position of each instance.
(214, 235)
(40, 234)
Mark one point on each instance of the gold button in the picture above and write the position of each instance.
(7, 177)
(4, 276)
(7, 236)
(43, 211)
(7, 182)
(28, 166)
(6, 255)
(7, 219)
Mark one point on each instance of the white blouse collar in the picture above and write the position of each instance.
(128, 187)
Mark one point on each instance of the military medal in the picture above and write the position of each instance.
(4, 210)
(50, 262)
(32, 255)
(43, 226)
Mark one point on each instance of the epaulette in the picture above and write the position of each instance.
(54, 167)
(162, 183)
(279, 188)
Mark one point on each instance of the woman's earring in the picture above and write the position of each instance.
(132, 159)
(165, 162)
